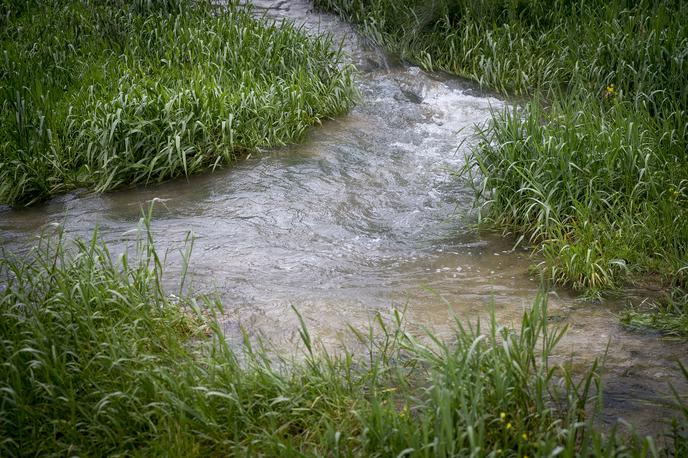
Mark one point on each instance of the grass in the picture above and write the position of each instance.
(526, 46)
(98, 359)
(603, 189)
(103, 94)
(592, 170)
(668, 315)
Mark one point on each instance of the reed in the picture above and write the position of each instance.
(140, 92)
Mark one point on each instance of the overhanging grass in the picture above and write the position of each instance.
(100, 94)
(593, 170)
(603, 189)
(96, 360)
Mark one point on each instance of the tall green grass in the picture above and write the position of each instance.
(603, 189)
(98, 359)
(525, 46)
(100, 94)
(593, 170)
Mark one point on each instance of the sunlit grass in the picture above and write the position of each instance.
(104, 94)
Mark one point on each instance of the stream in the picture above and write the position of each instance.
(364, 216)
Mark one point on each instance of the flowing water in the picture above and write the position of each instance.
(364, 216)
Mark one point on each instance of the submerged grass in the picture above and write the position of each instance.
(668, 315)
(593, 170)
(98, 360)
(100, 94)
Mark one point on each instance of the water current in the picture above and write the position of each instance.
(363, 216)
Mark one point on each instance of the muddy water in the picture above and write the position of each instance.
(361, 217)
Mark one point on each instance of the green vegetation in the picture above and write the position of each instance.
(593, 170)
(526, 46)
(98, 360)
(668, 315)
(105, 93)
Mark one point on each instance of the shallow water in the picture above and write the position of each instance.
(364, 216)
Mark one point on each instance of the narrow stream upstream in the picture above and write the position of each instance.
(361, 217)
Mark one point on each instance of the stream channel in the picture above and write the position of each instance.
(361, 217)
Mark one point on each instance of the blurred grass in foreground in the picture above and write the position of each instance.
(97, 359)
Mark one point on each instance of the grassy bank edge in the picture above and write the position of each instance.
(99, 359)
(141, 92)
(591, 171)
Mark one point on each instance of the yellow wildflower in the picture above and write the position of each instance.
(610, 93)
(508, 426)
(502, 416)
(524, 436)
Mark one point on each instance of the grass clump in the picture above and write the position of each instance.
(525, 46)
(100, 94)
(669, 315)
(592, 170)
(97, 360)
(603, 189)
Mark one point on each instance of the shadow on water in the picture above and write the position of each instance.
(361, 217)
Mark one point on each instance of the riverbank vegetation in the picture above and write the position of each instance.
(593, 169)
(101, 94)
(97, 359)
